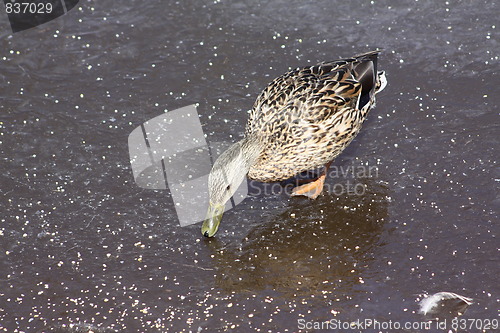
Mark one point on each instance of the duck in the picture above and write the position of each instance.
(301, 121)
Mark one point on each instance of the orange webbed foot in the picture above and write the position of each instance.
(311, 190)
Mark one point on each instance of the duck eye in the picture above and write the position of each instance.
(228, 187)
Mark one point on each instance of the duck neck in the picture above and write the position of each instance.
(251, 147)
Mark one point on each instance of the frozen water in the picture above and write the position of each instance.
(82, 245)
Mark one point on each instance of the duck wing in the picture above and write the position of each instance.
(326, 83)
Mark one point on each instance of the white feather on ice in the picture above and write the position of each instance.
(430, 302)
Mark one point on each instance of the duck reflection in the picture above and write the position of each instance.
(314, 247)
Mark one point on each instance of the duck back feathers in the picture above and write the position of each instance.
(307, 116)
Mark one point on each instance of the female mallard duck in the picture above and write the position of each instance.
(301, 121)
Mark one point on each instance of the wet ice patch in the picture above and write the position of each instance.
(78, 328)
(444, 303)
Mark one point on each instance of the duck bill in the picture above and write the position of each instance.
(212, 221)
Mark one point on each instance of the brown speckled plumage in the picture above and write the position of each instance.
(306, 117)
(301, 121)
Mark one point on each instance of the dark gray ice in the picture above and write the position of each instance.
(83, 248)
